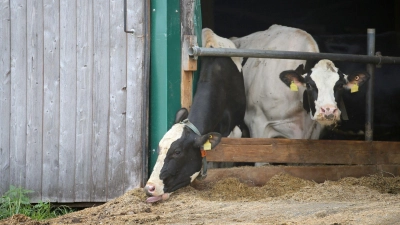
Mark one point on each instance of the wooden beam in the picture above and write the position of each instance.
(188, 39)
(258, 176)
(188, 66)
(305, 151)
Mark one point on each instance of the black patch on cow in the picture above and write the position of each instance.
(311, 93)
(244, 61)
(220, 101)
(362, 77)
(290, 76)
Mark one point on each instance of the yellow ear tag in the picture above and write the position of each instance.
(207, 145)
(354, 88)
(293, 87)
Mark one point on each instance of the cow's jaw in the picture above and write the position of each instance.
(155, 186)
(325, 75)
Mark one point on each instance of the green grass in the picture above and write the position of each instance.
(16, 201)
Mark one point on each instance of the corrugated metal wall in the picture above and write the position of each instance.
(71, 98)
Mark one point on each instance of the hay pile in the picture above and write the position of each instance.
(282, 200)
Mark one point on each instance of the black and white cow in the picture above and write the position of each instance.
(218, 106)
(324, 85)
(386, 87)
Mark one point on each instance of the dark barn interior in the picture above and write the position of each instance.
(338, 26)
(238, 18)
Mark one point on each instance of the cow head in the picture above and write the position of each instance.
(179, 159)
(324, 86)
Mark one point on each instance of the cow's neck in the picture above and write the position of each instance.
(203, 123)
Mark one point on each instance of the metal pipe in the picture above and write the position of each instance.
(369, 98)
(253, 53)
(126, 31)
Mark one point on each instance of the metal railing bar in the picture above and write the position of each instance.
(254, 53)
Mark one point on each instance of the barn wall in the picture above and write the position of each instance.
(72, 98)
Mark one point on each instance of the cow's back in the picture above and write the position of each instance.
(272, 109)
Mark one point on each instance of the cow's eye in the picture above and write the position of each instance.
(177, 152)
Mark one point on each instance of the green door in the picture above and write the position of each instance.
(165, 75)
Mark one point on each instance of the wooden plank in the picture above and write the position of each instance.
(116, 156)
(258, 176)
(51, 109)
(187, 68)
(305, 151)
(34, 133)
(137, 97)
(101, 93)
(18, 93)
(66, 191)
(386, 152)
(5, 94)
(84, 119)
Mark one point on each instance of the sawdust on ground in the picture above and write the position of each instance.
(283, 200)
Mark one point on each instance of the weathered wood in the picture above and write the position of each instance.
(66, 181)
(101, 93)
(137, 97)
(305, 151)
(5, 94)
(187, 68)
(84, 108)
(51, 98)
(58, 134)
(34, 99)
(258, 176)
(118, 66)
(18, 93)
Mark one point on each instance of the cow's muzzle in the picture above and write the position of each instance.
(150, 190)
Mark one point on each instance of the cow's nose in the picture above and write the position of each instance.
(149, 189)
(328, 110)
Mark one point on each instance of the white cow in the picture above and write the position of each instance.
(272, 109)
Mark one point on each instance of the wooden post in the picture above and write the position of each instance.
(188, 39)
(188, 66)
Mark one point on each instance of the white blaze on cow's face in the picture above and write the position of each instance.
(178, 163)
(155, 186)
(324, 88)
(325, 76)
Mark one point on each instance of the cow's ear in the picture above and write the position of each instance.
(214, 138)
(300, 69)
(292, 76)
(181, 115)
(357, 78)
